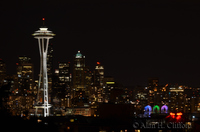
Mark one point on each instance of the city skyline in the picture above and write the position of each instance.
(128, 66)
(134, 41)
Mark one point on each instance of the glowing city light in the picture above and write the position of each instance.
(148, 108)
(164, 109)
(43, 35)
(172, 114)
(156, 107)
(179, 114)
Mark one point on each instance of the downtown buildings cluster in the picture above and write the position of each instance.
(75, 89)
(85, 92)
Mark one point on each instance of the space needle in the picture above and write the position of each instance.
(43, 35)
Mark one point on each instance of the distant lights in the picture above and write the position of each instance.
(179, 114)
(172, 114)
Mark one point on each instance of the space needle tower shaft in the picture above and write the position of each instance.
(43, 35)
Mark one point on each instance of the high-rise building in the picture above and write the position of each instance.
(97, 84)
(152, 87)
(79, 72)
(61, 95)
(61, 85)
(88, 81)
(2, 71)
(50, 66)
(25, 75)
(8, 88)
(176, 98)
(64, 75)
(99, 74)
(108, 85)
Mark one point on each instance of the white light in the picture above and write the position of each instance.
(193, 116)
(43, 29)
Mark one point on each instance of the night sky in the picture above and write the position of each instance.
(134, 40)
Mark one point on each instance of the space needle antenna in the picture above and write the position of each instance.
(43, 21)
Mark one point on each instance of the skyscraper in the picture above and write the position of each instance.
(97, 85)
(64, 74)
(79, 72)
(99, 74)
(153, 88)
(50, 66)
(25, 74)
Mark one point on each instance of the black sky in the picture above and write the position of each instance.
(134, 40)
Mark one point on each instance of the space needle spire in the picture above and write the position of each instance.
(43, 35)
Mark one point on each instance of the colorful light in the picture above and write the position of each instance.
(172, 114)
(178, 117)
(148, 108)
(156, 107)
(164, 109)
(179, 114)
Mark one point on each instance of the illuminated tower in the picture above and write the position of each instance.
(79, 72)
(43, 35)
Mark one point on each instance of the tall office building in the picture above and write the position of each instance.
(88, 80)
(79, 72)
(50, 67)
(99, 75)
(176, 98)
(2, 71)
(64, 75)
(108, 85)
(25, 74)
(61, 89)
(153, 88)
(97, 84)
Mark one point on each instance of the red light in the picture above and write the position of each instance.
(98, 63)
(172, 115)
(17, 63)
(43, 19)
(178, 117)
